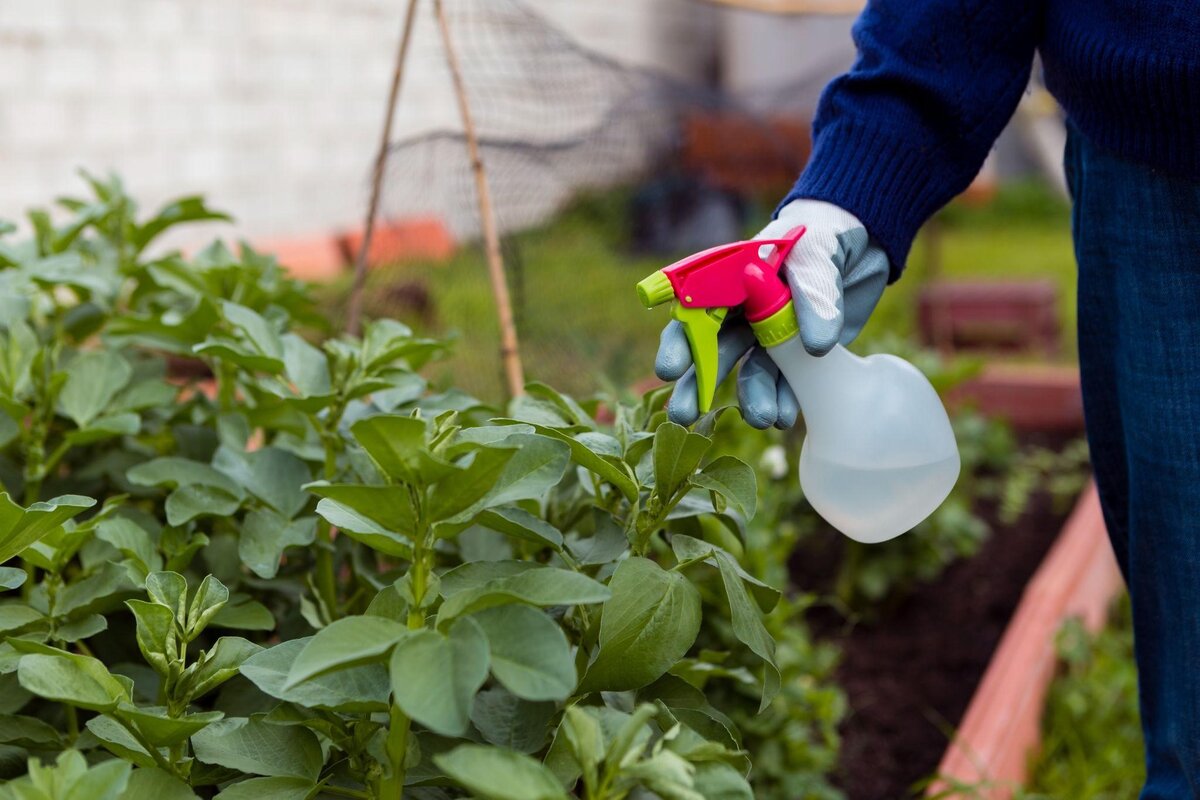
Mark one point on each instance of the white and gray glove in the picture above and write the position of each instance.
(836, 275)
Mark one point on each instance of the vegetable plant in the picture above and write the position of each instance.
(243, 558)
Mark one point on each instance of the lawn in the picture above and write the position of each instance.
(582, 328)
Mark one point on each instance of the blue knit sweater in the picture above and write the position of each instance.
(935, 81)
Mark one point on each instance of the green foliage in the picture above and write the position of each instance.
(310, 574)
(1092, 743)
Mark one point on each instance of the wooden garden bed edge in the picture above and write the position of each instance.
(1001, 729)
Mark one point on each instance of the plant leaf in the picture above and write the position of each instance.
(93, 379)
(269, 789)
(397, 445)
(734, 480)
(520, 524)
(505, 720)
(492, 773)
(258, 747)
(358, 689)
(748, 626)
(530, 654)
(21, 527)
(647, 626)
(677, 453)
(435, 676)
(344, 643)
(80, 681)
(540, 586)
(266, 534)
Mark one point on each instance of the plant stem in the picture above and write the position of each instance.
(326, 573)
(72, 724)
(400, 724)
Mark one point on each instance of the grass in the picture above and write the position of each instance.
(1092, 740)
(581, 326)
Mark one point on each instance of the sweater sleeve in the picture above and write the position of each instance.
(908, 127)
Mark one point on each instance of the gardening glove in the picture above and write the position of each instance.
(836, 274)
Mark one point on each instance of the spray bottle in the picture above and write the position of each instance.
(879, 455)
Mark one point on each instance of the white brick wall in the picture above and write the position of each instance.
(270, 107)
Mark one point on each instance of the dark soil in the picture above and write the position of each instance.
(910, 676)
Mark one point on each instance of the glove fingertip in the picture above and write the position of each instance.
(789, 406)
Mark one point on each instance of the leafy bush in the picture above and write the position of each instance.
(276, 568)
(1092, 743)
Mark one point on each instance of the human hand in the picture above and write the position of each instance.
(836, 276)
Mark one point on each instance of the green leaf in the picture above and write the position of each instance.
(344, 643)
(716, 780)
(647, 626)
(134, 542)
(169, 589)
(530, 654)
(207, 602)
(505, 720)
(542, 586)
(93, 379)
(497, 477)
(258, 747)
(119, 741)
(175, 473)
(12, 578)
(359, 689)
(77, 680)
(734, 480)
(687, 548)
(435, 676)
(162, 730)
(189, 502)
(397, 444)
(269, 789)
(606, 544)
(606, 467)
(271, 474)
(21, 527)
(244, 614)
(217, 665)
(382, 513)
(72, 779)
(156, 634)
(258, 333)
(154, 783)
(184, 209)
(748, 626)
(495, 774)
(28, 732)
(15, 616)
(520, 524)
(677, 453)
(266, 534)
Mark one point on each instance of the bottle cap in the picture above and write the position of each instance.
(777, 328)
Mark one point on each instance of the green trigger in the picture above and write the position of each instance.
(701, 326)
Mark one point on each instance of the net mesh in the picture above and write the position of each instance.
(557, 120)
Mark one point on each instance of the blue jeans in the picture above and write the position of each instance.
(1137, 241)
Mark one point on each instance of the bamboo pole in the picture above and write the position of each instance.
(509, 351)
(354, 315)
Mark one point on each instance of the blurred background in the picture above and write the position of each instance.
(616, 136)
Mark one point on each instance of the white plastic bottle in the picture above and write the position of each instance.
(879, 455)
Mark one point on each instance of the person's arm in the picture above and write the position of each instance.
(908, 127)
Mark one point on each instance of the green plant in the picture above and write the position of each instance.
(432, 598)
(1060, 473)
(1092, 738)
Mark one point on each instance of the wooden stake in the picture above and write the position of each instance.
(354, 315)
(509, 351)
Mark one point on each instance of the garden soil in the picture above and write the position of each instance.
(910, 676)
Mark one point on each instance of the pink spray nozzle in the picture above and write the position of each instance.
(735, 275)
(706, 284)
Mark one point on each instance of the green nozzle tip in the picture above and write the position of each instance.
(655, 289)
